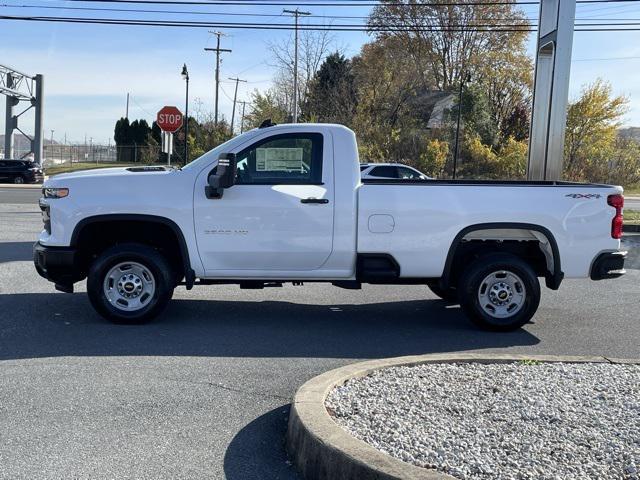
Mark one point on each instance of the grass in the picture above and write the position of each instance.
(632, 217)
(632, 190)
(73, 167)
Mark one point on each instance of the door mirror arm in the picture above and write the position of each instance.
(224, 176)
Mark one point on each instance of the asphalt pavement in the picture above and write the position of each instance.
(632, 203)
(204, 391)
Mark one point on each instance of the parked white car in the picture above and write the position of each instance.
(372, 171)
(286, 204)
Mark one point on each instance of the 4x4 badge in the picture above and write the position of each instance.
(583, 195)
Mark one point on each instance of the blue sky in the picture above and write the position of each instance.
(90, 68)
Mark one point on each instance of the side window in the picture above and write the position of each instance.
(385, 172)
(282, 159)
(407, 173)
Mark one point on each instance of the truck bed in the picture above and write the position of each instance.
(416, 221)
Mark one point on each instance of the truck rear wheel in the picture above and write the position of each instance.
(499, 292)
(130, 283)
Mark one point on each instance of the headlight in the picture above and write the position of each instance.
(55, 192)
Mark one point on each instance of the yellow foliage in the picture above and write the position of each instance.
(512, 159)
(434, 158)
(592, 123)
(507, 162)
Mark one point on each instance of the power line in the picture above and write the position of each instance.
(356, 3)
(236, 14)
(319, 27)
(259, 26)
(365, 3)
(604, 59)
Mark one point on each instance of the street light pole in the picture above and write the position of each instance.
(185, 75)
(296, 13)
(466, 77)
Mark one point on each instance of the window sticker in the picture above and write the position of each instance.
(279, 159)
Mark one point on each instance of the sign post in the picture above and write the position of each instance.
(169, 119)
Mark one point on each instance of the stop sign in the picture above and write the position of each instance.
(169, 119)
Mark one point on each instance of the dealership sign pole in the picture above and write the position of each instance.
(169, 119)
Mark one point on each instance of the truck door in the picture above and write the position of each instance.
(279, 214)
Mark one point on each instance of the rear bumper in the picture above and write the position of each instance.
(608, 265)
(57, 264)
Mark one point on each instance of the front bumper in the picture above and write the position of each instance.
(58, 265)
(608, 265)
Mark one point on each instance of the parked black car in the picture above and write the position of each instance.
(20, 171)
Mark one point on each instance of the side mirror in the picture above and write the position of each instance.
(224, 177)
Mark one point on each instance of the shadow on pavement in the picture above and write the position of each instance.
(16, 251)
(252, 452)
(48, 325)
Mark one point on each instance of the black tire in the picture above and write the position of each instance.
(472, 285)
(19, 180)
(448, 295)
(147, 257)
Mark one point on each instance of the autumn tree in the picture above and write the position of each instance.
(590, 138)
(385, 116)
(267, 105)
(446, 40)
(434, 157)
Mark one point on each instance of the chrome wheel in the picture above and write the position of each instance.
(502, 294)
(129, 286)
(18, 180)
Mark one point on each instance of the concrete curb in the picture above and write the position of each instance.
(322, 450)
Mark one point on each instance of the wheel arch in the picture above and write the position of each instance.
(189, 273)
(553, 275)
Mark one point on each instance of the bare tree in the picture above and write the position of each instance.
(313, 48)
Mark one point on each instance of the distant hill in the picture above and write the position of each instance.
(630, 132)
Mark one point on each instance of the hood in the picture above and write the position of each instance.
(112, 172)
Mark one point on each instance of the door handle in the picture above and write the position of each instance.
(314, 200)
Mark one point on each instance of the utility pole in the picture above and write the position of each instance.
(218, 50)
(126, 115)
(244, 104)
(296, 13)
(235, 98)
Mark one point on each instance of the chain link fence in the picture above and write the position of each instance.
(59, 155)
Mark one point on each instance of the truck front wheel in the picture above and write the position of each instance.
(499, 292)
(130, 283)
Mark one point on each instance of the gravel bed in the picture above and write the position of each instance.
(500, 421)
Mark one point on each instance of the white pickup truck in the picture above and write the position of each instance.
(286, 204)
